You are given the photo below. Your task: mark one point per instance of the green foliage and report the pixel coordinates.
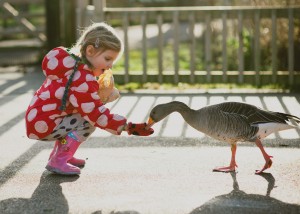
(248, 50)
(135, 58)
(133, 86)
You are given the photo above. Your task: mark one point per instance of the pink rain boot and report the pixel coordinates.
(74, 161)
(66, 148)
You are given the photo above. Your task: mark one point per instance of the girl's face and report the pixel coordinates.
(102, 60)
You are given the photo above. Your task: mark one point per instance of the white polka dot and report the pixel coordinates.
(52, 63)
(52, 53)
(53, 116)
(73, 100)
(48, 82)
(89, 77)
(57, 121)
(88, 107)
(95, 96)
(45, 95)
(41, 126)
(53, 77)
(68, 62)
(88, 119)
(49, 107)
(63, 113)
(82, 88)
(32, 114)
(33, 100)
(118, 117)
(59, 92)
(86, 67)
(112, 131)
(102, 109)
(102, 121)
(44, 72)
(33, 136)
(68, 73)
(76, 76)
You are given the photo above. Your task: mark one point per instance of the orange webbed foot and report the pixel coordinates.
(267, 165)
(230, 168)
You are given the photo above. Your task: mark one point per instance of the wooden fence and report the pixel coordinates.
(230, 21)
(215, 40)
(22, 32)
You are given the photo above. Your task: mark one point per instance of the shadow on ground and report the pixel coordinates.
(47, 197)
(238, 201)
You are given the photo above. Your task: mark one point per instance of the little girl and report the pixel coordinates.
(67, 107)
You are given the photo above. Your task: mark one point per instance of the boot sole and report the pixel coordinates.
(79, 166)
(57, 171)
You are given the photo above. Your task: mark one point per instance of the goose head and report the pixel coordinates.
(161, 111)
(158, 113)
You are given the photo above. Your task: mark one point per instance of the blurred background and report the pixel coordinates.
(192, 44)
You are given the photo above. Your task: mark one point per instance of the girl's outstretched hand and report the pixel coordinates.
(139, 129)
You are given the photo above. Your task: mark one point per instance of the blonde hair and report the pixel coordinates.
(102, 37)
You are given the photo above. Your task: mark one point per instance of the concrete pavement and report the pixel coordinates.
(168, 172)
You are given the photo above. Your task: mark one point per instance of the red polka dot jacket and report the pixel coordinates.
(43, 114)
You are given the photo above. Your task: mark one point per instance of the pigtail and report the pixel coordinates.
(68, 85)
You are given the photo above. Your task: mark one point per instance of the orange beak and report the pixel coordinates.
(150, 123)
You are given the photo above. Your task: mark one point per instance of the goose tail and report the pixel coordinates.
(292, 119)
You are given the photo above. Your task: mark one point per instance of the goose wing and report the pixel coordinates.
(227, 122)
(255, 115)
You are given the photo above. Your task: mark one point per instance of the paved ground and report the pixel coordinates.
(169, 172)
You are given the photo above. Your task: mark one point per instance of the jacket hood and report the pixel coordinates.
(58, 63)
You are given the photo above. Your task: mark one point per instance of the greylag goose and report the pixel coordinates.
(230, 122)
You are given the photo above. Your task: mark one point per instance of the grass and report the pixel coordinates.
(135, 57)
(134, 86)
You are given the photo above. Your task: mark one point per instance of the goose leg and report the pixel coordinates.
(231, 167)
(267, 157)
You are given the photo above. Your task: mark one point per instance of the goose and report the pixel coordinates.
(231, 122)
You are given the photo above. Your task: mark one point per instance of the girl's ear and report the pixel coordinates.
(90, 50)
